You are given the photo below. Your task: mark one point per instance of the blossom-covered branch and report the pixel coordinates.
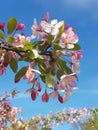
(10, 120)
(52, 53)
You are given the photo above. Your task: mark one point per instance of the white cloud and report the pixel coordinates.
(82, 4)
(22, 95)
(88, 91)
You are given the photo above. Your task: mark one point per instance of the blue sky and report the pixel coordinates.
(80, 14)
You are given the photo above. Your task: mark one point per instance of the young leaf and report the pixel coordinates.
(57, 47)
(13, 65)
(6, 58)
(63, 67)
(1, 35)
(35, 54)
(21, 73)
(11, 26)
(50, 80)
(10, 39)
(59, 73)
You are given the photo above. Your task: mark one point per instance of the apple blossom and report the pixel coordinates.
(37, 31)
(29, 74)
(20, 40)
(68, 81)
(68, 39)
(53, 27)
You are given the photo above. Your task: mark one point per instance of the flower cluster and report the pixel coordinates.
(52, 53)
(7, 111)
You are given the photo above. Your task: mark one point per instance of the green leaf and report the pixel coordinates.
(63, 67)
(49, 37)
(11, 26)
(50, 80)
(1, 35)
(10, 39)
(76, 47)
(13, 65)
(43, 48)
(6, 58)
(57, 47)
(42, 68)
(21, 73)
(59, 73)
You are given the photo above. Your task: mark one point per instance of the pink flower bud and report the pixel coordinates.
(60, 99)
(2, 25)
(33, 94)
(79, 54)
(5, 63)
(39, 89)
(66, 26)
(45, 97)
(20, 27)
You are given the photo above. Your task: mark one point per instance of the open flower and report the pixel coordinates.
(19, 40)
(30, 74)
(68, 39)
(53, 27)
(37, 30)
(68, 81)
(75, 64)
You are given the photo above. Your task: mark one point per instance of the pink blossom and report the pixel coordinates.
(19, 40)
(79, 54)
(68, 81)
(47, 64)
(20, 26)
(2, 25)
(68, 39)
(30, 74)
(75, 56)
(53, 94)
(66, 26)
(53, 27)
(37, 30)
(12, 54)
(75, 66)
(14, 111)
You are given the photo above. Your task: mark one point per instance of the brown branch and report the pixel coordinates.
(11, 48)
